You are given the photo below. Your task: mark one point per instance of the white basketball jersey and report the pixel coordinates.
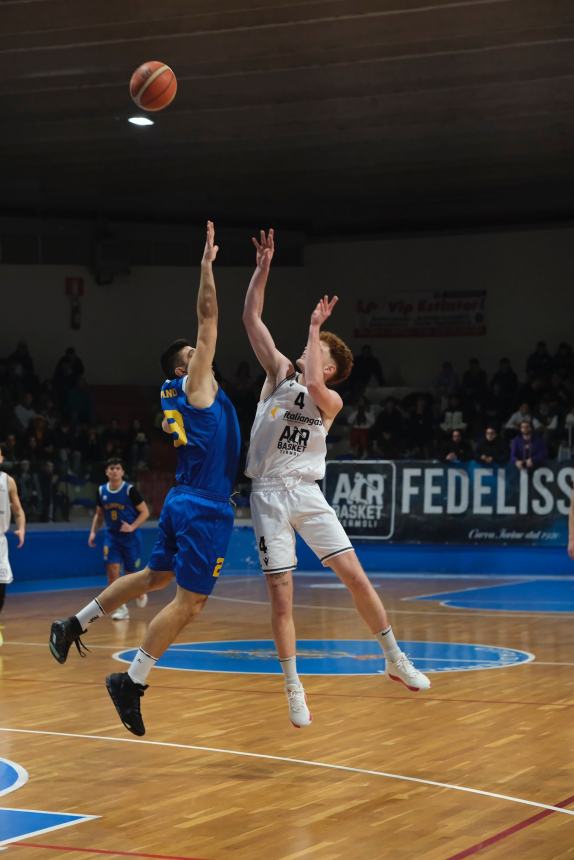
(5, 510)
(288, 438)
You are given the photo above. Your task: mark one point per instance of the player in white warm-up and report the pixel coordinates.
(9, 504)
(286, 458)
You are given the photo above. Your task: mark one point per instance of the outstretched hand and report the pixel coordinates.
(323, 310)
(210, 250)
(265, 249)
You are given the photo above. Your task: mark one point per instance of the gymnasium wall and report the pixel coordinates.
(528, 276)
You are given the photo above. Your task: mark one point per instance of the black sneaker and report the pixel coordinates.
(126, 695)
(62, 634)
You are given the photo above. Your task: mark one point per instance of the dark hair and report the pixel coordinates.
(115, 461)
(168, 357)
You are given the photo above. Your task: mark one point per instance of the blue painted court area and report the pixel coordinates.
(330, 657)
(536, 595)
(16, 824)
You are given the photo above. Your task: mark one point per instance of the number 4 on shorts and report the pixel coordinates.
(262, 545)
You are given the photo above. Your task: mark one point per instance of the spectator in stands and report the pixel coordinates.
(137, 447)
(456, 449)
(78, 403)
(24, 411)
(453, 417)
(242, 393)
(55, 503)
(563, 361)
(446, 384)
(545, 422)
(361, 419)
(492, 450)
(523, 413)
(113, 440)
(474, 383)
(68, 369)
(539, 363)
(366, 367)
(419, 429)
(528, 450)
(11, 452)
(33, 454)
(68, 455)
(496, 405)
(506, 379)
(21, 356)
(388, 429)
(29, 489)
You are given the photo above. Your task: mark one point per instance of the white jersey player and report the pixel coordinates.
(286, 457)
(9, 504)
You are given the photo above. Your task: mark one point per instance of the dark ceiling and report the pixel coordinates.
(330, 116)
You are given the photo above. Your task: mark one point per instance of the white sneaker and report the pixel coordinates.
(299, 713)
(403, 670)
(120, 614)
(141, 601)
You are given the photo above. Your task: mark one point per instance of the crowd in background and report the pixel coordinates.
(52, 437)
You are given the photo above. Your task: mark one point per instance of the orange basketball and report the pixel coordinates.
(153, 86)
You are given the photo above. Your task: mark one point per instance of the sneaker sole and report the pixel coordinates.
(129, 728)
(408, 686)
(55, 654)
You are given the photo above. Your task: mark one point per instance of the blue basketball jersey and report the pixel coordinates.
(208, 441)
(117, 506)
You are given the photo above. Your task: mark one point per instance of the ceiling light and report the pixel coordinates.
(140, 120)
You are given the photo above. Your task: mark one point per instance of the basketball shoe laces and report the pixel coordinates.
(297, 703)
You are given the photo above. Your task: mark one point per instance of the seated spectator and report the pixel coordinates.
(496, 405)
(361, 419)
(419, 429)
(113, 440)
(453, 417)
(563, 361)
(527, 450)
(446, 384)
(474, 384)
(523, 413)
(137, 447)
(387, 432)
(12, 453)
(24, 411)
(506, 379)
(55, 503)
(492, 450)
(539, 362)
(29, 490)
(456, 449)
(366, 366)
(78, 402)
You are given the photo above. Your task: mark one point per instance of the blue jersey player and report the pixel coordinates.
(197, 516)
(121, 507)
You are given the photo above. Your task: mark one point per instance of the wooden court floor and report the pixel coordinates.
(221, 773)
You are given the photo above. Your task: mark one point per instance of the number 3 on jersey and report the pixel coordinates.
(175, 421)
(300, 400)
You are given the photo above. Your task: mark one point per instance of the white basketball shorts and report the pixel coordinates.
(5, 569)
(281, 508)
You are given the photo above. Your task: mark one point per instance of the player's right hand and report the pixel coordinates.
(264, 249)
(211, 249)
(92, 539)
(571, 549)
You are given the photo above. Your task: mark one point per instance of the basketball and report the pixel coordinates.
(153, 86)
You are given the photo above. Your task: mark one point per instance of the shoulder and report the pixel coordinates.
(12, 486)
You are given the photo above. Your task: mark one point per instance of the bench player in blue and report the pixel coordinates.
(197, 517)
(123, 510)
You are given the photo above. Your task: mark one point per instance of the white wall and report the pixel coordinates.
(529, 277)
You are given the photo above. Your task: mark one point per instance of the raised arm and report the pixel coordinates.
(328, 401)
(275, 364)
(201, 386)
(17, 511)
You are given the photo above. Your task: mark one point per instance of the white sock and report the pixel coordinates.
(289, 666)
(389, 644)
(142, 664)
(89, 614)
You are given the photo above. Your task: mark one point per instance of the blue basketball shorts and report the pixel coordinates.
(194, 533)
(126, 550)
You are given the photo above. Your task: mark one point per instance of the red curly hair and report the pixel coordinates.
(341, 355)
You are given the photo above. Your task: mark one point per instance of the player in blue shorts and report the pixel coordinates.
(123, 510)
(197, 517)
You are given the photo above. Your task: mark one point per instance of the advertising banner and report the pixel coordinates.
(422, 313)
(434, 502)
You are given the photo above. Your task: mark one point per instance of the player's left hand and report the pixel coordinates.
(211, 249)
(126, 528)
(571, 549)
(21, 535)
(323, 310)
